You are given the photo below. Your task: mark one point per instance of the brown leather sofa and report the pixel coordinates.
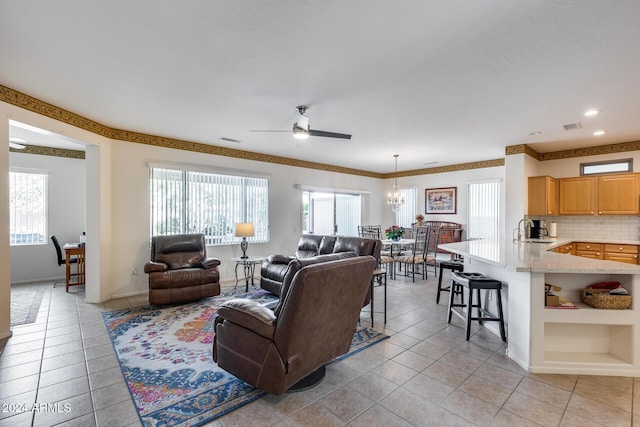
(313, 324)
(313, 248)
(179, 270)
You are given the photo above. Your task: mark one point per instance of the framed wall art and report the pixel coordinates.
(440, 200)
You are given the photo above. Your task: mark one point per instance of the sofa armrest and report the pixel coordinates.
(249, 314)
(152, 267)
(208, 263)
(280, 259)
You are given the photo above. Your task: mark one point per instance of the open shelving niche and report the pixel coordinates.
(585, 340)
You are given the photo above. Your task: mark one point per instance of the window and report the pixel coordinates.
(331, 213)
(483, 210)
(406, 215)
(185, 201)
(28, 206)
(612, 166)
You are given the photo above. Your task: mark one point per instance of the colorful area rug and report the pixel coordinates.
(165, 354)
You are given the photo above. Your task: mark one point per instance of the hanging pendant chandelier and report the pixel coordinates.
(395, 198)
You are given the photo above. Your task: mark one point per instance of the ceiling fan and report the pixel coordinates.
(301, 129)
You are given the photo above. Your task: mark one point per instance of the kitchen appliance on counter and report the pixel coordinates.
(538, 230)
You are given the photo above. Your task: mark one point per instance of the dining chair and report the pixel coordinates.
(60, 258)
(415, 261)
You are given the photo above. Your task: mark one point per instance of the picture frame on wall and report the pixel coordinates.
(441, 200)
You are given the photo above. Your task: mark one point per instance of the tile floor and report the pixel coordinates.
(425, 374)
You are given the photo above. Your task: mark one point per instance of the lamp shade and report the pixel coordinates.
(244, 229)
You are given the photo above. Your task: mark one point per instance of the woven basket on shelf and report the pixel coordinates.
(600, 298)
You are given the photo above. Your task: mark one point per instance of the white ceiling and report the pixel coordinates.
(434, 81)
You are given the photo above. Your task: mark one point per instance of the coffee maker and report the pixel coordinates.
(538, 230)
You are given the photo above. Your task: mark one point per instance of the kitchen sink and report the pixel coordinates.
(538, 241)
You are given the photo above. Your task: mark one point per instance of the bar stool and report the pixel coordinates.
(379, 276)
(453, 265)
(476, 281)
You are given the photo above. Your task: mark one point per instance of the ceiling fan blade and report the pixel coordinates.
(314, 132)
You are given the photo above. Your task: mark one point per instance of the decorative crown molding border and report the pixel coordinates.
(450, 168)
(592, 151)
(49, 151)
(521, 149)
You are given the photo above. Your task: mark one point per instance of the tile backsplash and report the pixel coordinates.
(596, 227)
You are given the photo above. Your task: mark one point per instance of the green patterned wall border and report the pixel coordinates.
(450, 168)
(522, 149)
(49, 151)
(592, 151)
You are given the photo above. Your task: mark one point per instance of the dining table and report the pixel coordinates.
(395, 248)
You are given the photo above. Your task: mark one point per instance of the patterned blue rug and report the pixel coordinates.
(165, 354)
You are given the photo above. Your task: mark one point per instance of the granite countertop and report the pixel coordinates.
(526, 256)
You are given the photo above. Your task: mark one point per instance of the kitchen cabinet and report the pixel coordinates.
(578, 196)
(618, 194)
(568, 249)
(603, 195)
(542, 195)
(621, 253)
(589, 250)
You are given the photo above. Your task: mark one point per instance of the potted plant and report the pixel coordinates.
(394, 232)
(419, 218)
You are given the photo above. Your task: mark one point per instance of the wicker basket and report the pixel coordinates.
(599, 298)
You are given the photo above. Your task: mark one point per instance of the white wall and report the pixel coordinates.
(458, 179)
(66, 212)
(130, 208)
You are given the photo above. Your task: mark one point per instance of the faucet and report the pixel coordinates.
(520, 234)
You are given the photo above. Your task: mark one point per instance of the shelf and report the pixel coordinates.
(575, 358)
(588, 315)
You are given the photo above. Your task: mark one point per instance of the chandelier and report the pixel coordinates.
(395, 198)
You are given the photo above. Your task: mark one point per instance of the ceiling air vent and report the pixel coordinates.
(224, 138)
(572, 126)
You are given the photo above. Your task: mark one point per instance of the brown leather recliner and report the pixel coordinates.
(313, 324)
(179, 270)
(312, 246)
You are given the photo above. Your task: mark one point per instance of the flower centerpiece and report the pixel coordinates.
(394, 232)
(419, 218)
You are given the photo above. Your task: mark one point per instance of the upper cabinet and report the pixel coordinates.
(543, 195)
(603, 195)
(618, 194)
(578, 196)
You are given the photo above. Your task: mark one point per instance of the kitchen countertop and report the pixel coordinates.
(525, 256)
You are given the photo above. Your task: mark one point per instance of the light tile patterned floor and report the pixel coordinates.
(425, 374)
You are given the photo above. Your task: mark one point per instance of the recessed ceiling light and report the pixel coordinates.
(538, 132)
(598, 133)
(591, 113)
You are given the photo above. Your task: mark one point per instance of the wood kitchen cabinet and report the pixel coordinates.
(578, 196)
(542, 195)
(568, 249)
(589, 250)
(603, 195)
(621, 253)
(618, 194)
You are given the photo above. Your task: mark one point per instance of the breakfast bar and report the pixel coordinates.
(581, 340)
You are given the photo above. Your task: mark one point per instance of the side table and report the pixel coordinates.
(248, 266)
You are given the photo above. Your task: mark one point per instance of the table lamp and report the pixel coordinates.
(244, 230)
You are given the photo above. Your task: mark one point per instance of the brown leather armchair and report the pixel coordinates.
(313, 324)
(179, 270)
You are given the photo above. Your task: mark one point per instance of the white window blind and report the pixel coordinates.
(28, 207)
(406, 215)
(483, 209)
(184, 201)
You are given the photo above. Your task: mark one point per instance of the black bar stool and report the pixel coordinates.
(476, 281)
(453, 265)
(379, 276)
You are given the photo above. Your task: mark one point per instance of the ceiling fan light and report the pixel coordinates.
(300, 133)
